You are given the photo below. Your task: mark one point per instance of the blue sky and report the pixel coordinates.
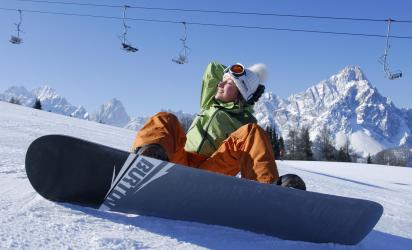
(80, 57)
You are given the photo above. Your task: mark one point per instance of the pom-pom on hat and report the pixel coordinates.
(247, 80)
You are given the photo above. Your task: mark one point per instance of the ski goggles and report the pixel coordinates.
(236, 70)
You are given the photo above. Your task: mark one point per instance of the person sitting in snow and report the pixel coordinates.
(224, 137)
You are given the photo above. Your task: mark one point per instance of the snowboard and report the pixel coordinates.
(67, 169)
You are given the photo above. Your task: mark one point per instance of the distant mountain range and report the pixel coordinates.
(111, 113)
(346, 103)
(49, 99)
(349, 106)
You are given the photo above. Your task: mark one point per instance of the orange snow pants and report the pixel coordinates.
(247, 150)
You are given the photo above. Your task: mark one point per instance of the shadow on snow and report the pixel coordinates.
(219, 237)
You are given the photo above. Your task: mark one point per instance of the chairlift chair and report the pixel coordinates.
(391, 75)
(16, 40)
(182, 58)
(126, 46)
(395, 75)
(129, 48)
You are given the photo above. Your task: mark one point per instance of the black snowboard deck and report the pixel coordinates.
(67, 169)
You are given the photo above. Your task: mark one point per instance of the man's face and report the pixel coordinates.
(226, 90)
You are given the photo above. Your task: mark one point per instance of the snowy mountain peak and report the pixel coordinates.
(49, 99)
(112, 113)
(45, 92)
(113, 103)
(19, 93)
(350, 73)
(348, 78)
(348, 105)
(17, 90)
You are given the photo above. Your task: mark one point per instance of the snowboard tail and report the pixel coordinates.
(68, 169)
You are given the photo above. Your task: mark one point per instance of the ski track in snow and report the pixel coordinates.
(28, 221)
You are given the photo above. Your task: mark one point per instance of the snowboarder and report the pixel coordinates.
(224, 137)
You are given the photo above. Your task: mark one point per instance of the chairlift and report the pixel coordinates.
(129, 48)
(395, 75)
(182, 57)
(17, 39)
(126, 46)
(391, 75)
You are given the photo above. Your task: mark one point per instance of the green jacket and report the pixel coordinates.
(216, 120)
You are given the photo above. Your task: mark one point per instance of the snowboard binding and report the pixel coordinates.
(152, 150)
(291, 181)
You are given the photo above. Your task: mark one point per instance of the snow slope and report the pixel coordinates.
(28, 221)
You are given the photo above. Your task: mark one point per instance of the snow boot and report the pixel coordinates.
(291, 181)
(153, 150)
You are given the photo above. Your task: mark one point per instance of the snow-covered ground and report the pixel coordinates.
(28, 221)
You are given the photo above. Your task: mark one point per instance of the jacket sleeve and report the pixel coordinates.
(212, 76)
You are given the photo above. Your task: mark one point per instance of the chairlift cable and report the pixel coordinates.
(211, 24)
(219, 11)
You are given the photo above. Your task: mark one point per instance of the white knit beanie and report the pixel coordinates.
(249, 82)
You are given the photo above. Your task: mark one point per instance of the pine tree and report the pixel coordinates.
(299, 152)
(15, 101)
(291, 145)
(37, 104)
(306, 144)
(348, 151)
(269, 132)
(369, 159)
(325, 141)
(274, 140)
(341, 155)
(281, 148)
(275, 143)
(344, 154)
